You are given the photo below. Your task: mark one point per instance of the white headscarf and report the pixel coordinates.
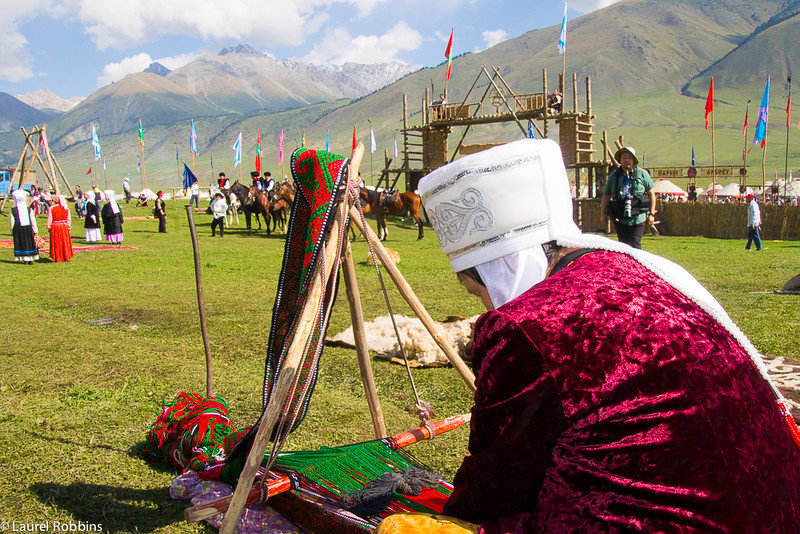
(112, 200)
(21, 201)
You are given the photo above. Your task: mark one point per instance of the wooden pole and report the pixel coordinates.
(60, 171)
(743, 180)
(198, 277)
(713, 157)
(360, 337)
(574, 92)
(589, 96)
(413, 301)
(786, 153)
(289, 369)
(144, 172)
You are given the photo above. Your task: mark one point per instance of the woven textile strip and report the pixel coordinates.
(318, 176)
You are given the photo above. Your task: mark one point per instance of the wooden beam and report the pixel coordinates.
(413, 301)
(360, 338)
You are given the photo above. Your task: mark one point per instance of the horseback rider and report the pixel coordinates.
(269, 185)
(257, 181)
(223, 182)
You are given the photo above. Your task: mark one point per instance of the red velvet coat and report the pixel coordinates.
(608, 401)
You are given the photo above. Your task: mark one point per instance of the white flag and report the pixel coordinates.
(562, 38)
(395, 146)
(372, 146)
(237, 151)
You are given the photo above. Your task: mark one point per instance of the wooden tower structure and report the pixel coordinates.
(425, 146)
(35, 140)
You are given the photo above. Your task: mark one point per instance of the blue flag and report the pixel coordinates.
(95, 143)
(237, 151)
(692, 155)
(176, 154)
(761, 126)
(212, 161)
(530, 130)
(327, 140)
(188, 177)
(193, 140)
(562, 37)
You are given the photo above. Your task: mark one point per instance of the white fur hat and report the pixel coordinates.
(503, 200)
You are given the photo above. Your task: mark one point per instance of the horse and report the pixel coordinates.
(248, 204)
(260, 206)
(393, 204)
(233, 206)
(281, 204)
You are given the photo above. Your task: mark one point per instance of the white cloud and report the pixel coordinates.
(116, 71)
(15, 60)
(125, 23)
(587, 6)
(113, 72)
(340, 47)
(492, 37)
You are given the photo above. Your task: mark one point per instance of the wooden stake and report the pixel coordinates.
(413, 301)
(360, 337)
(198, 277)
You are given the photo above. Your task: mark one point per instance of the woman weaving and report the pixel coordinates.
(613, 391)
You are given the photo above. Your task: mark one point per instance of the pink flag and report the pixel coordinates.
(280, 149)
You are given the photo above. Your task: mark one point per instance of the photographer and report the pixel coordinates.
(628, 198)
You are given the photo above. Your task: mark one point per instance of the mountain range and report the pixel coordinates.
(649, 62)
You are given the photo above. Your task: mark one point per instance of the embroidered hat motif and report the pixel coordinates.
(502, 200)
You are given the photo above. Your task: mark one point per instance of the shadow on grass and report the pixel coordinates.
(117, 509)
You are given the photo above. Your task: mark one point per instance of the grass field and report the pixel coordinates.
(76, 397)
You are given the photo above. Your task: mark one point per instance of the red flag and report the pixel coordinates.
(89, 171)
(448, 53)
(746, 123)
(789, 110)
(355, 141)
(710, 101)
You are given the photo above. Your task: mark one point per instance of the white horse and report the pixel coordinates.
(233, 211)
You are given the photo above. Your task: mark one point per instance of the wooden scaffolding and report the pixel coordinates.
(35, 140)
(425, 146)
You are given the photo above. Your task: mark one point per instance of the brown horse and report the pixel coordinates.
(384, 203)
(282, 202)
(259, 206)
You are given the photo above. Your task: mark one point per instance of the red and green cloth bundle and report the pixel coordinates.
(194, 432)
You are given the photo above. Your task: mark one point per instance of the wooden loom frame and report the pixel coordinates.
(289, 369)
(24, 162)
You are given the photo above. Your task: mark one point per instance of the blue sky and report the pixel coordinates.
(73, 47)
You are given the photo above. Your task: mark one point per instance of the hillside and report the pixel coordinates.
(640, 54)
(15, 113)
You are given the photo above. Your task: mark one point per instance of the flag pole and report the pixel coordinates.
(713, 158)
(744, 149)
(105, 175)
(144, 173)
(786, 152)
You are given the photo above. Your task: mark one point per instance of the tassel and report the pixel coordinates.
(376, 496)
(791, 424)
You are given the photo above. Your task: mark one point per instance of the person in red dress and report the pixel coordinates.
(59, 223)
(614, 393)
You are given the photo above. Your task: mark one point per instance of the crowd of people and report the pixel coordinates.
(98, 210)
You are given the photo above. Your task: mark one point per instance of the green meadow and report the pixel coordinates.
(93, 348)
